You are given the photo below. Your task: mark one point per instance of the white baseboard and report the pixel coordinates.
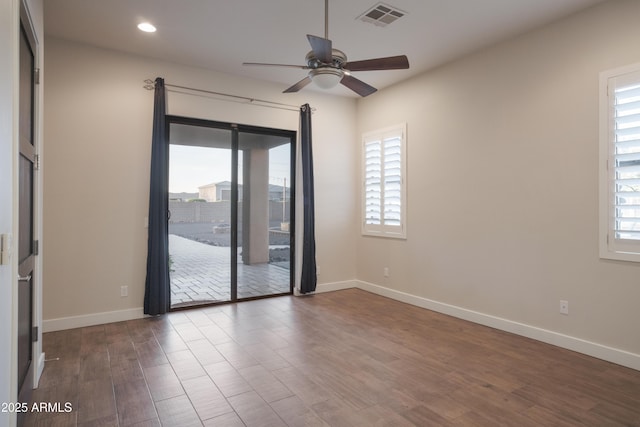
(610, 354)
(329, 287)
(39, 369)
(81, 321)
(336, 286)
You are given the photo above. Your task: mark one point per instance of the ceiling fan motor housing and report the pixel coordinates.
(338, 59)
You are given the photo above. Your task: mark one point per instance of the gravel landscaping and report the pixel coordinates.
(215, 235)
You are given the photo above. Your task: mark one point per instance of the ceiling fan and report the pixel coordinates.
(328, 66)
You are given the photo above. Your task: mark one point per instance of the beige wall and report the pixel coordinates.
(98, 132)
(503, 182)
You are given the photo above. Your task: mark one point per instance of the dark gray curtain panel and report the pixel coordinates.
(157, 295)
(308, 279)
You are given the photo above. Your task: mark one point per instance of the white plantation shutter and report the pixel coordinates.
(383, 187)
(373, 182)
(626, 111)
(392, 171)
(622, 195)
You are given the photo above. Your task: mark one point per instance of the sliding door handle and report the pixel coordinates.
(24, 278)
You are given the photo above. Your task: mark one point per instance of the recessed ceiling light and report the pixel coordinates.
(146, 27)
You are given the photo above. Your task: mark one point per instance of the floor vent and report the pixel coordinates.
(382, 15)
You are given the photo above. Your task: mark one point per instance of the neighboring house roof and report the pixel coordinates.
(217, 184)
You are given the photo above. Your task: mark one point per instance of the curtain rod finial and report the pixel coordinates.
(149, 84)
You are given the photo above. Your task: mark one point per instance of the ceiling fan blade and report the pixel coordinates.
(400, 62)
(322, 48)
(358, 86)
(301, 67)
(296, 87)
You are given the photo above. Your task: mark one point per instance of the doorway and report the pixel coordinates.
(230, 211)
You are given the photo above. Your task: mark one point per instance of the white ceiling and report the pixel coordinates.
(222, 34)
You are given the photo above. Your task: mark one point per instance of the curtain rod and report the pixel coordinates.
(150, 85)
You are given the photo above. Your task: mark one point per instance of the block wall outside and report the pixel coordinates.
(217, 212)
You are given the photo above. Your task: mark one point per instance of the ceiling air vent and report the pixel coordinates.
(382, 15)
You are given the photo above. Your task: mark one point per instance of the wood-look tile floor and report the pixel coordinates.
(346, 358)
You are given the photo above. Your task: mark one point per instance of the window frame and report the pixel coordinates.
(385, 230)
(609, 246)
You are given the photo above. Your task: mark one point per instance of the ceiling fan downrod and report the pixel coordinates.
(326, 19)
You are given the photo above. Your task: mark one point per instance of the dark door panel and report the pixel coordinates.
(26, 246)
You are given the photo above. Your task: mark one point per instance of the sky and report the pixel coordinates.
(191, 167)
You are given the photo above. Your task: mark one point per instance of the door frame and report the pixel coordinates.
(236, 129)
(31, 31)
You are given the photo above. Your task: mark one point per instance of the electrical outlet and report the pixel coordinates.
(124, 291)
(564, 307)
(386, 272)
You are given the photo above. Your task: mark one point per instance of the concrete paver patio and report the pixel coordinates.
(201, 274)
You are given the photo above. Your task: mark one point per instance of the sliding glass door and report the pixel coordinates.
(200, 219)
(231, 209)
(263, 216)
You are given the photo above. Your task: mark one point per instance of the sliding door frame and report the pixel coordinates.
(236, 130)
(234, 213)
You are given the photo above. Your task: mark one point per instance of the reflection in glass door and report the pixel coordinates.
(230, 210)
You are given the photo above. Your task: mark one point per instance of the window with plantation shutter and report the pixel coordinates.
(620, 160)
(384, 195)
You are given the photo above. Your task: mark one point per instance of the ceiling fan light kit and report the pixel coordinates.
(326, 77)
(329, 66)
